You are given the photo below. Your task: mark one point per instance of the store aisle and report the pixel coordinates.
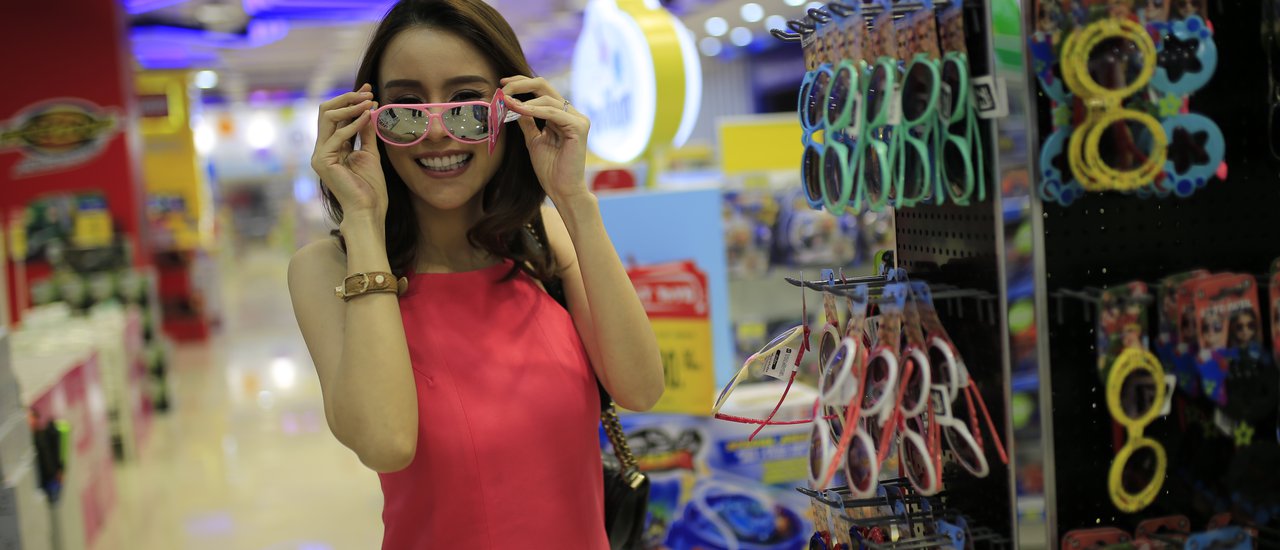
(245, 460)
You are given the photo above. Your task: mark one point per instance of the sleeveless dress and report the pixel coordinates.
(508, 451)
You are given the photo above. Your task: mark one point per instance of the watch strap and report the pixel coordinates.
(365, 283)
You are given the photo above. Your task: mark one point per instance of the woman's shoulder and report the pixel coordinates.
(321, 258)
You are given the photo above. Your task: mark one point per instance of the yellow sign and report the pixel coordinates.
(686, 361)
(760, 143)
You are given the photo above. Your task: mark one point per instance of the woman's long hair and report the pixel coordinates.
(513, 198)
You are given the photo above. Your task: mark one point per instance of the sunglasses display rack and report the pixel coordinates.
(1179, 175)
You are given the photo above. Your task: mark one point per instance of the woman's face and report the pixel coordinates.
(423, 65)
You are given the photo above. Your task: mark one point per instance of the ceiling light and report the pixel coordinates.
(775, 22)
(794, 2)
(710, 47)
(741, 36)
(717, 26)
(752, 12)
(206, 80)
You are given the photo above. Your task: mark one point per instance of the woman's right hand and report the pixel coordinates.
(354, 176)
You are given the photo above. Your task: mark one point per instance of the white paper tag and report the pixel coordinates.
(895, 108)
(1170, 382)
(780, 364)
(1226, 425)
(944, 99)
(990, 97)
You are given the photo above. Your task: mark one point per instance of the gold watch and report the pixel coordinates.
(365, 283)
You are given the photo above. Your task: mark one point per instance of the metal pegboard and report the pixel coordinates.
(1109, 239)
(958, 241)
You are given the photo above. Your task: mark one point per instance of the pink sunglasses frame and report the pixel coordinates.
(498, 117)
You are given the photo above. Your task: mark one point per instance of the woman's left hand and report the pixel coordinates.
(559, 149)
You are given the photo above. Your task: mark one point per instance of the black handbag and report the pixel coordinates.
(626, 489)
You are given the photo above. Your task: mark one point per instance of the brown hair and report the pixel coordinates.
(513, 198)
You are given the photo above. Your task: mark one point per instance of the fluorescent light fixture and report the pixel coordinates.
(752, 12)
(206, 79)
(717, 26)
(710, 46)
(794, 2)
(775, 22)
(740, 36)
(260, 133)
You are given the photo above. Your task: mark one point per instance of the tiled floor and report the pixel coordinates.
(245, 461)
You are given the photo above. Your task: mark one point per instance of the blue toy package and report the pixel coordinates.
(732, 514)
(710, 488)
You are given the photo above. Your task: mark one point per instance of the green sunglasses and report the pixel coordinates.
(960, 155)
(874, 182)
(912, 137)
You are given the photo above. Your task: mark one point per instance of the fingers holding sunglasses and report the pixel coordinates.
(521, 84)
(565, 121)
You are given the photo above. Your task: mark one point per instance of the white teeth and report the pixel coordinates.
(444, 164)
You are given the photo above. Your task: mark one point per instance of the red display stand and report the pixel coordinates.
(69, 131)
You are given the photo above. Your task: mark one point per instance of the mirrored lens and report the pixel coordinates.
(724, 392)
(812, 173)
(915, 390)
(780, 338)
(402, 124)
(859, 466)
(1125, 145)
(1115, 63)
(815, 103)
(915, 463)
(873, 182)
(833, 174)
(949, 91)
(832, 361)
(816, 450)
(876, 92)
(956, 167)
(1138, 394)
(838, 98)
(1139, 471)
(964, 452)
(468, 122)
(914, 183)
(877, 384)
(939, 369)
(917, 91)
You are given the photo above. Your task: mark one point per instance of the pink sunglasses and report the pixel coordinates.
(405, 124)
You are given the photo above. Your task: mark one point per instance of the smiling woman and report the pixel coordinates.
(467, 384)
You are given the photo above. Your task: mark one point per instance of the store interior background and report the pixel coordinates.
(229, 448)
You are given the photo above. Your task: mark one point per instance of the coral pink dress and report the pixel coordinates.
(508, 454)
